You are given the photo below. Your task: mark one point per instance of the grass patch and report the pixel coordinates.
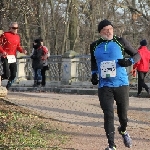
(23, 130)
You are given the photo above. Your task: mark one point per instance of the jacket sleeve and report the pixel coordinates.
(37, 54)
(131, 51)
(40, 53)
(19, 48)
(48, 53)
(135, 65)
(94, 68)
(1, 43)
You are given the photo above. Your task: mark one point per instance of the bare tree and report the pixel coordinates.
(72, 24)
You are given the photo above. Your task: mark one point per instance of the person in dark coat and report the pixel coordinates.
(37, 62)
(142, 67)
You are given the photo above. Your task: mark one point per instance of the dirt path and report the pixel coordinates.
(81, 117)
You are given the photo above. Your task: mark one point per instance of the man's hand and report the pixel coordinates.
(4, 54)
(94, 79)
(124, 62)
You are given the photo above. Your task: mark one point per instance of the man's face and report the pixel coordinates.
(14, 28)
(107, 32)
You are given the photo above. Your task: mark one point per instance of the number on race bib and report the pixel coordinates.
(108, 69)
(11, 58)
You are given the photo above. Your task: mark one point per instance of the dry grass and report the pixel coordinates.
(24, 130)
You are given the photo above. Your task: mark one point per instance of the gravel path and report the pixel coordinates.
(83, 118)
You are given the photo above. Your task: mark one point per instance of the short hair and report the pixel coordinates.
(37, 41)
(10, 25)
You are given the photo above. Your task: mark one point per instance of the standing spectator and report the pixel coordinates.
(45, 56)
(107, 61)
(142, 67)
(37, 62)
(45, 63)
(9, 45)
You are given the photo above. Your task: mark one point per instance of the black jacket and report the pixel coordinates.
(36, 57)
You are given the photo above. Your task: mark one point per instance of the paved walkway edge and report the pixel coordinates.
(80, 91)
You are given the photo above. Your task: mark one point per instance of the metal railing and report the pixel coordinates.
(53, 74)
(55, 68)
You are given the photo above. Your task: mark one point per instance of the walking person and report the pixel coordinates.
(108, 71)
(10, 44)
(37, 62)
(45, 63)
(142, 67)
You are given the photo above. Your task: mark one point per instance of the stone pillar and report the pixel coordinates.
(1, 32)
(69, 66)
(21, 62)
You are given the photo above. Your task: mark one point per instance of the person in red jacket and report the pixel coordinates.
(9, 45)
(45, 63)
(142, 66)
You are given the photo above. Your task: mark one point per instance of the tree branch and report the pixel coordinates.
(132, 10)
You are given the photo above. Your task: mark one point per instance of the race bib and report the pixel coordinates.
(11, 58)
(108, 69)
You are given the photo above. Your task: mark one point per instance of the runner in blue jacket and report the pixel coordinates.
(109, 72)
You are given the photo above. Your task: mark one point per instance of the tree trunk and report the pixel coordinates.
(73, 23)
(66, 25)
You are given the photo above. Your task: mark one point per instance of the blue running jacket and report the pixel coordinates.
(104, 58)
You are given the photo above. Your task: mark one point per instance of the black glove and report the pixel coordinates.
(124, 62)
(94, 79)
(32, 56)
